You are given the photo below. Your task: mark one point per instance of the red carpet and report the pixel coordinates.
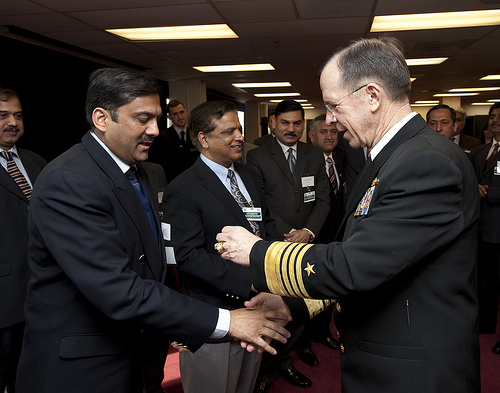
(326, 376)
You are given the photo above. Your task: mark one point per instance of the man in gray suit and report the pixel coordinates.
(14, 270)
(297, 191)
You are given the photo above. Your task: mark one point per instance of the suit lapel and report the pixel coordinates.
(127, 197)
(492, 163)
(281, 162)
(302, 162)
(212, 183)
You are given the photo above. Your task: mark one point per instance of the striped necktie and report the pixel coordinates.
(493, 153)
(16, 174)
(241, 200)
(331, 175)
(292, 161)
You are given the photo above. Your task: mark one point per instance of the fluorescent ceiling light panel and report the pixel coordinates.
(438, 20)
(309, 107)
(236, 67)
(494, 100)
(262, 84)
(422, 105)
(197, 32)
(427, 61)
(467, 89)
(277, 101)
(490, 78)
(277, 95)
(482, 103)
(430, 102)
(455, 94)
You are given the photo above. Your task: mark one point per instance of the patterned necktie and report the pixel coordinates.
(16, 174)
(331, 175)
(292, 161)
(136, 182)
(493, 153)
(241, 200)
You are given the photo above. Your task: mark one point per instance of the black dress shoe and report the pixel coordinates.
(496, 348)
(330, 342)
(261, 387)
(308, 356)
(295, 378)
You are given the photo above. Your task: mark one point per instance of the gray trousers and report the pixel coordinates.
(219, 368)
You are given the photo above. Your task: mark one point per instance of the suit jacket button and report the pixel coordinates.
(342, 349)
(141, 258)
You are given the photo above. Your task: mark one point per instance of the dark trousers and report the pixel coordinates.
(488, 279)
(11, 339)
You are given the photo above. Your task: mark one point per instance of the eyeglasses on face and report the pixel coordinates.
(334, 106)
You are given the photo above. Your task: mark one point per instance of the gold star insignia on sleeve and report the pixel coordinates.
(309, 269)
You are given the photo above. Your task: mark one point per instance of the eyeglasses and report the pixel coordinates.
(332, 108)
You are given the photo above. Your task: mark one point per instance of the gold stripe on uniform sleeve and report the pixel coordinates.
(283, 269)
(316, 307)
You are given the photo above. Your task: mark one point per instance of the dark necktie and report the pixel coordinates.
(331, 175)
(16, 174)
(183, 138)
(135, 179)
(493, 153)
(241, 200)
(292, 161)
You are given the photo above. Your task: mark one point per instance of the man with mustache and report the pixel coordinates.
(17, 164)
(97, 300)
(294, 182)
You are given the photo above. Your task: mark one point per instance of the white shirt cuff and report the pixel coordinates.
(222, 324)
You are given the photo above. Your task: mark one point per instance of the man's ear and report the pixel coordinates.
(202, 138)
(101, 119)
(375, 95)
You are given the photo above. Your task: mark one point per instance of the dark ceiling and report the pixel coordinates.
(295, 36)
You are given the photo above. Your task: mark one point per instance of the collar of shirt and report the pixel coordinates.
(389, 135)
(13, 150)
(456, 139)
(123, 166)
(221, 172)
(285, 147)
(178, 130)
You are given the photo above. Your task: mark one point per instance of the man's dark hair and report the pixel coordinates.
(380, 60)
(112, 88)
(494, 106)
(288, 106)
(173, 104)
(453, 113)
(7, 94)
(202, 118)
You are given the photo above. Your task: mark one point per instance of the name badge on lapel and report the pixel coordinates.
(253, 213)
(308, 183)
(364, 205)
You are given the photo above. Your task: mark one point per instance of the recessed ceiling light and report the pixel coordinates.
(308, 107)
(277, 95)
(467, 89)
(427, 61)
(490, 78)
(262, 84)
(455, 94)
(494, 100)
(278, 101)
(235, 68)
(437, 20)
(482, 103)
(197, 32)
(430, 102)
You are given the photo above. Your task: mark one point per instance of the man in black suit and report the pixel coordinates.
(404, 275)
(173, 149)
(216, 191)
(486, 161)
(271, 125)
(96, 295)
(466, 142)
(14, 270)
